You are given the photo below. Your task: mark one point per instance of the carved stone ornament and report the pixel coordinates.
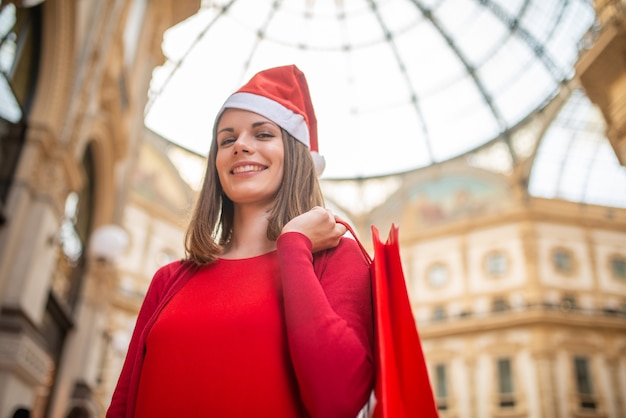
(21, 355)
(49, 179)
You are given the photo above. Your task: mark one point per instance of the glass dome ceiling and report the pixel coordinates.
(575, 160)
(397, 84)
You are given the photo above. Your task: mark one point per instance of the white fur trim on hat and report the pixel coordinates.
(290, 121)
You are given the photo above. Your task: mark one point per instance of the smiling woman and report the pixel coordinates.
(270, 315)
(249, 158)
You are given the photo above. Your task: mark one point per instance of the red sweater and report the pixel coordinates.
(317, 330)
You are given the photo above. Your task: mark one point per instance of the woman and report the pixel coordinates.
(270, 315)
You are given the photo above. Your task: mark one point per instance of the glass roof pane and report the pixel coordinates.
(540, 17)
(578, 160)
(454, 138)
(431, 4)
(372, 90)
(530, 90)
(563, 43)
(482, 36)
(460, 97)
(361, 28)
(575, 160)
(511, 7)
(458, 102)
(514, 56)
(250, 14)
(436, 77)
(431, 63)
(377, 144)
(455, 15)
(400, 15)
(606, 184)
(284, 20)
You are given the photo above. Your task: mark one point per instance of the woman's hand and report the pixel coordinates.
(320, 226)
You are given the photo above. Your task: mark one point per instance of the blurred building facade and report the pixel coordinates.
(73, 89)
(520, 299)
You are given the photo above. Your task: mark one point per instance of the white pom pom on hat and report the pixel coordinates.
(281, 94)
(318, 162)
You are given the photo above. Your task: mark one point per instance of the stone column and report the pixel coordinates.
(544, 365)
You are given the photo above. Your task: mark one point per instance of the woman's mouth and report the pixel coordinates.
(248, 168)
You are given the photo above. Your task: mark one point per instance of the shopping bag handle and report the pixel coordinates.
(356, 238)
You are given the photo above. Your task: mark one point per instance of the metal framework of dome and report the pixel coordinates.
(397, 84)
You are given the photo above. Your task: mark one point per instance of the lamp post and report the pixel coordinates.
(108, 242)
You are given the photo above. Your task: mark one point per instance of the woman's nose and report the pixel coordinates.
(243, 144)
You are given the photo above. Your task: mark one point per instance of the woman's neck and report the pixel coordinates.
(249, 237)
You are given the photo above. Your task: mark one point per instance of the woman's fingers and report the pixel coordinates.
(320, 226)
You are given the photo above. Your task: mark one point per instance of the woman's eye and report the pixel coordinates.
(226, 141)
(264, 135)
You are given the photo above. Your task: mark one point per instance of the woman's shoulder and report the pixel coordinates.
(170, 272)
(173, 267)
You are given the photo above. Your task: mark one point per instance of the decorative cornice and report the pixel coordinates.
(531, 316)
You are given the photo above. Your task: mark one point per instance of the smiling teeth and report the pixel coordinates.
(247, 168)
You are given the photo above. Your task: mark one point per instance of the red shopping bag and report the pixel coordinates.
(402, 388)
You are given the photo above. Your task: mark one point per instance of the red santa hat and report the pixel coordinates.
(281, 94)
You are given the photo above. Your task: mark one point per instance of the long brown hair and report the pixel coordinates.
(211, 223)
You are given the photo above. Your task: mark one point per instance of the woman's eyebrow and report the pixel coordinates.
(225, 130)
(263, 122)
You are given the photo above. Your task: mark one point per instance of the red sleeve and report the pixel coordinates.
(120, 402)
(329, 324)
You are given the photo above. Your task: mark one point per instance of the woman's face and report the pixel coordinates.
(250, 156)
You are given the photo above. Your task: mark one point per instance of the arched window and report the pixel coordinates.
(584, 388)
(441, 385)
(19, 61)
(506, 392)
(73, 238)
